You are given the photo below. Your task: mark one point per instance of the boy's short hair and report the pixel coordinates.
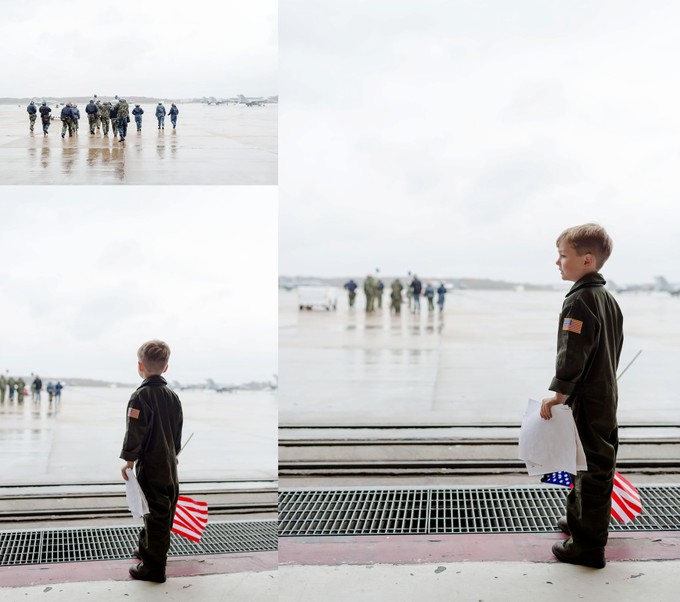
(154, 355)
(589, 238)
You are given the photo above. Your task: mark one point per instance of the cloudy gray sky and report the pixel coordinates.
(90, 273)
(460, 137)
(167, 48)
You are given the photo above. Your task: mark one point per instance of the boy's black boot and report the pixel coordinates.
(592, 558)
(139, 571)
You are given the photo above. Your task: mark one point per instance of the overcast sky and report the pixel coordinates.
(460, 138)
(166, 48)
(90, 273)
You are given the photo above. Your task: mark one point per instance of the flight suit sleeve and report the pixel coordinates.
(578, 335)
(178, 431)
(137, 422)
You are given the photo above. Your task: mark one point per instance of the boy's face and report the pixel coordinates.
(572, 265)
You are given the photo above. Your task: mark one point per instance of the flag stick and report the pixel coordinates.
(630, 363)
(185, 444)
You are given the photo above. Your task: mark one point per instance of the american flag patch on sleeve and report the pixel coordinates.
(133, 413)
(572, 325)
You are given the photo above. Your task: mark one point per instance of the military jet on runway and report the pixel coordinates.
(630, 288)
(257, 102)
(211, 100)
(663, 285)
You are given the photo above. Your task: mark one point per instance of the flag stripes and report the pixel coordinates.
(626, 504)
(191, 517)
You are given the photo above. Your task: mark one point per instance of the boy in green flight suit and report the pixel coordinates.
(589, 342)
(153, 439)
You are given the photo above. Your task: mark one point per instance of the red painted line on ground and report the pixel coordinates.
(117, 570)
(424, 549)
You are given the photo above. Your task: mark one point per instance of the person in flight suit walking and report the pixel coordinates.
(351, 287)
(105, 116)
(153, 439)
(416, 289)
(76, 116)
(429, 295)
(67, 120)
(441, 296)
(589, 342)
(123, 118)
(92, 110)
(379, 288)
(174, 111)
(160, 115)
(45, 117)
(32, 114)
(369, 292)
(21, 389)
(138, 112)
(395, 296)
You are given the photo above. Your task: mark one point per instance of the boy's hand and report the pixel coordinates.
(549, 402)
(124, 468)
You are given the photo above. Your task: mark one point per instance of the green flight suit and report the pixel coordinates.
(369, 291)
(3, 387)
(395, 296)
(153, 438)
(589, 342)
(98, 115)
(379, 288)
(21, 385)
(104, 112)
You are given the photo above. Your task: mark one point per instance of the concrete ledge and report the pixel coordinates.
(417, 549)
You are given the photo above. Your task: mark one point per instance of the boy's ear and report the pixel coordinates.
(588, 259)
(165, 369)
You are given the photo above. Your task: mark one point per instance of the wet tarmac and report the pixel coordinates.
(226, 144)
(477, 363)
(79, 439)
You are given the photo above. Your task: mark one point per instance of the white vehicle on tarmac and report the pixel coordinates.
(310, 297)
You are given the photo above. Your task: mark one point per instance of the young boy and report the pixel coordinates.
(153, 439)
(589, 344)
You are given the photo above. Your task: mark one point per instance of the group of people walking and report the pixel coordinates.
(53, 389)
(374, 287)
(99, 115)
(16, 386)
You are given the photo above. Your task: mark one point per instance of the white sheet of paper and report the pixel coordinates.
(550, 445)
(135, 496)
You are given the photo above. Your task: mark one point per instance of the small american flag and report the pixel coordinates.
(191, 517)
(626, 504)
(572, 325)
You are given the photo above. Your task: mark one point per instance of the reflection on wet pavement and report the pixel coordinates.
(79, 439)
(211, 145)
(478, 362)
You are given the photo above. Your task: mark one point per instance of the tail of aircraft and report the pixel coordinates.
(251, 102)
(663, 285)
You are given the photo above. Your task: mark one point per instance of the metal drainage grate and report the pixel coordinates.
(116, 543)
(456, 510)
